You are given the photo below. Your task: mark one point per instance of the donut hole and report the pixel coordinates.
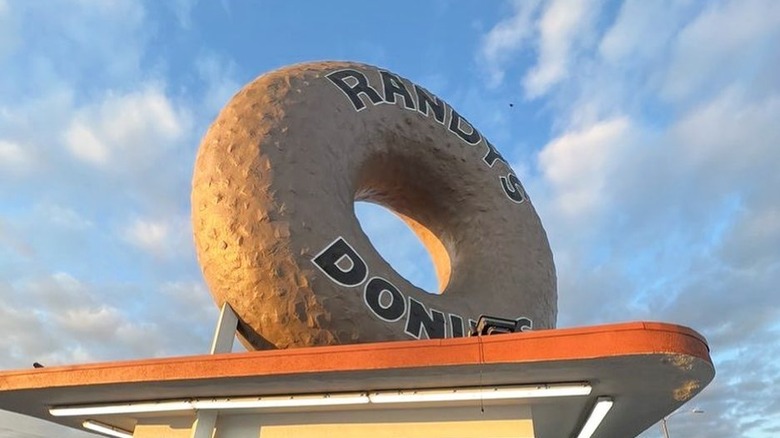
(399, 245)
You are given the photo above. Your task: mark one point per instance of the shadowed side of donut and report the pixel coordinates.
(275, 183)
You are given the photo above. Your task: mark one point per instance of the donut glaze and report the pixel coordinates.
(275, 182)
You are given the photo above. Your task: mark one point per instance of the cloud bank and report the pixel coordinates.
(658, 186)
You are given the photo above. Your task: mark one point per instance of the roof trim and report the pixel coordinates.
(614, 340)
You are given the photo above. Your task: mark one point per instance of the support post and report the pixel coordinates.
(225, 332)
(224, 335)
(664, 429)
(203, 427)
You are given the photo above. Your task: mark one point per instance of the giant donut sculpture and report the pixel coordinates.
(275, 182)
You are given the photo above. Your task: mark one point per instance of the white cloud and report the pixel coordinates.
(10, 238)
(507, 38)
(58, 290)
(102, 325)
(84, 144)
(15, 340)
(628, 39)
(753, 241)
(659, 187)
(733, 136)
(65, 217)
(132, 129)
(31, 333)
(68, 282)
(727, 41)
(101, 320)
(192, 299)
(557, 29)
(167, 238)
(563, 27)
(58, 318)
(578, 165)
(14, 158)
(149, 235)
(84, 112)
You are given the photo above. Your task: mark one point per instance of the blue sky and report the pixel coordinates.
(646, 134)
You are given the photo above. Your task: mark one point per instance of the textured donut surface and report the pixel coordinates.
(275, 182)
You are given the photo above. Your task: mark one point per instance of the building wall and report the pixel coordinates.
(463, 422)
(167, 427)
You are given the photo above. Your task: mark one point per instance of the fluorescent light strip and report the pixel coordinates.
(496, 393)
(292, 401)
(597, 414)
(125, 408)
(106, 429)
(281, 402)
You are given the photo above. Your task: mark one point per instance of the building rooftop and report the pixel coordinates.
(647, 369)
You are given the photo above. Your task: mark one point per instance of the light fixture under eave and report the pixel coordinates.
(597, 414)
(281, 402)
(343, 399)
(486, 393)
(212, 404)
(106, 429)
(123, 408)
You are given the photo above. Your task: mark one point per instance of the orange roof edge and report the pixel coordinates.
(568, 344)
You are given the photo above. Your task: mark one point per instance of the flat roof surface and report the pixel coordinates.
(649, 369)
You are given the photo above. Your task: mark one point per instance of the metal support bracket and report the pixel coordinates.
(225, 333)
(224, 336)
